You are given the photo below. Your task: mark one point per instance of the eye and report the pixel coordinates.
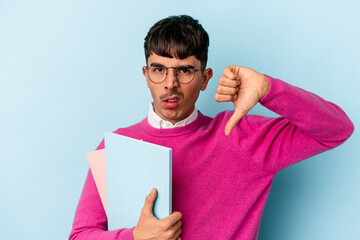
(185, 70)
(157, 69)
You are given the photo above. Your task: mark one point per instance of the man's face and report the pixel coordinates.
(174, 101)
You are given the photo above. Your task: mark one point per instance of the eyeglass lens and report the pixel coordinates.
(184, 74)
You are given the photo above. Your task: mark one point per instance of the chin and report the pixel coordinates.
(172, 115)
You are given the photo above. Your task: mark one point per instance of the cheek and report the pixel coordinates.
(156, 93)
(193, 92)
(153, 94)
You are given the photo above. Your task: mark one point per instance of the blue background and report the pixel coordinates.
(71, 70)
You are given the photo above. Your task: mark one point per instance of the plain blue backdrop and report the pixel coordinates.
(71, 70)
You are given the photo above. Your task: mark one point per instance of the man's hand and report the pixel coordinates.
(149, 227)
(242, 86)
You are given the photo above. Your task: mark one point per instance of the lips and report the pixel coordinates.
(172, 99)
(171, 102)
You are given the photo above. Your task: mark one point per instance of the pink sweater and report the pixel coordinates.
(220, 184)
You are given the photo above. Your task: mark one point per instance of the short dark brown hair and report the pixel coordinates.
(179, 37)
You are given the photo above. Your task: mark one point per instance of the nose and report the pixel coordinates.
(171, 81)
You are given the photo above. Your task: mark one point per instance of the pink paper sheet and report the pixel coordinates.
(96, 161)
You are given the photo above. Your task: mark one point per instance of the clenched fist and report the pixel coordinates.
(242, 86)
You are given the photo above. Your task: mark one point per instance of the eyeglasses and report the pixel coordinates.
(157, 73)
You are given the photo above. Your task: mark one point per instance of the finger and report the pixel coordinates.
(172, 219)
(176, 226)
(227, 90)
(149, 202)
(175, 230)
(235, 118)
(177, 234)
(224, 81)
(225, 97)
(231, 72)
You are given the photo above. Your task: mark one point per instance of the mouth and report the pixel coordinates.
(172, 99)
(172, 102)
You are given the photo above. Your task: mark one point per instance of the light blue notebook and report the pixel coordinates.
(133, 168)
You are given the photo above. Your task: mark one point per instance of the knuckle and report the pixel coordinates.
(222, 80)
(164, 225)
(228, 69)
(170, 235)
(148, 199)
(179, 215)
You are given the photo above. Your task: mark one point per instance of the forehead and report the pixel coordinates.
(173, 62)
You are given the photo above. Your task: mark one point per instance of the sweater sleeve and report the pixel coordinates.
(309, 125)
(90, 220)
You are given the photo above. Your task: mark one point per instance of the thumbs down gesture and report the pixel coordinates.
(242, 86)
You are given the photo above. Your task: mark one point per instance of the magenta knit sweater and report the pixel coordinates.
(220, 183)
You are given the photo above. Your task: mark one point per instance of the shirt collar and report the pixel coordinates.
(157, 122)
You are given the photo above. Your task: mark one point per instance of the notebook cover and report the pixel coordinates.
(133, 168)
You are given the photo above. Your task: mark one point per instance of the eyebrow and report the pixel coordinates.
(161, 65)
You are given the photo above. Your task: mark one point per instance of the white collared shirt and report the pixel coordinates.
(157, 122)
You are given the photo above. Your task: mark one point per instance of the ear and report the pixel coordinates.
(144, 71)
(207, 74)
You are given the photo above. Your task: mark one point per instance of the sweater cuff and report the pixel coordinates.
(126, 234)
(272, 88)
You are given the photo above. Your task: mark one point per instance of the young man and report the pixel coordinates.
(220, 181)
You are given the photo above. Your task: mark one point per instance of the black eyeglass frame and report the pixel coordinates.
(167, 71)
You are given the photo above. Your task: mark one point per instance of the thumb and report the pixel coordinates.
(149, 202)
(235, 118)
